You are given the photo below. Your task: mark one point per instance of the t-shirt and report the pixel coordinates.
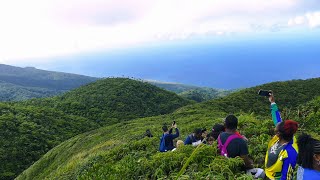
(237, 147)
(169, 139)
(191, 139)
(273, 153)
(307, 174)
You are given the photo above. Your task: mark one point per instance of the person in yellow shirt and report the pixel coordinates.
(281, 156)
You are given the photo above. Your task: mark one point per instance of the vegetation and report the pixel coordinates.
(18, 84)
(290, 95)
(30, 128)
(112, 100)
(195, 93)
(204, 94)
(26, 133)
(119, 151)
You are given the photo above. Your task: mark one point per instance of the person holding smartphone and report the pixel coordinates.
(166, 142)
(282, 152)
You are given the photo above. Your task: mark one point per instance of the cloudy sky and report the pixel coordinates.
(34, 30)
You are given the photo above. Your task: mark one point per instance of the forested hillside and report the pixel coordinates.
(290, 94)
(30, 128)
(195, 93)
(18, 84)
(112, 100)
(109, 153)
(26, 133)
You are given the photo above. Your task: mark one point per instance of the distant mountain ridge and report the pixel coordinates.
(191, 92)
(18, 83)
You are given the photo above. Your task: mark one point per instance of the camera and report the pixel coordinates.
(265, 92)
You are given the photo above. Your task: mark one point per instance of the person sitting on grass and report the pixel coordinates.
(231, 144)
(166, 142)
(195, 138)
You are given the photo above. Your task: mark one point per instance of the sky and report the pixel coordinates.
(71, 35)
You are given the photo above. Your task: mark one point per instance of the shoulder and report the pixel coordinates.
(240, 140)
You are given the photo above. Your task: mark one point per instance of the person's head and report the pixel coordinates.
(165, 128)
(180, 143)
(286, 129)
(148, 133)
(204, 133)
(217, 129)
(309, 152)
(197, 133)
(210, 138)
(231, 122)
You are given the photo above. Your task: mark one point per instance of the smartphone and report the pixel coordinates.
(264, 92)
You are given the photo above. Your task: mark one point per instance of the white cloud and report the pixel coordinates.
(311, 19)
(44, 28)
(314, 19)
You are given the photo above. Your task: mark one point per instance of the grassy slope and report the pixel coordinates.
(119, 151)
(73, 158)
(29, 129)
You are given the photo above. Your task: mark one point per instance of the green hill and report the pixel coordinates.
(30, 128)
(205, 94)
(111, 100)
(195, 93)
(18, 84)
(289, 94)
(109, 153)
(120, 151)
(174, 87)
(26, 133)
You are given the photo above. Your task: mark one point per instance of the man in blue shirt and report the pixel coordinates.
(168, 137)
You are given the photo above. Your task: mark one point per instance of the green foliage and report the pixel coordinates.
(134, 157)
(26, 133)
(119, 151)
(112, 100)
(204, 94)
(289, 95)
(31, 128)
(195, 93)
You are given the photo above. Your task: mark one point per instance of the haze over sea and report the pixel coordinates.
(223, 44)
(222, 62)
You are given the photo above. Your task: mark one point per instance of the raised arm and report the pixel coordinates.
(276, 117)
(174, 126)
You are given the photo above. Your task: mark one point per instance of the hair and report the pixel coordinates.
(197, 131)
(203, 130)
(217, 129)
(209, 135)
(180, 143)
(165, 128)
(231, 122)
(307, 148)
(287, 129)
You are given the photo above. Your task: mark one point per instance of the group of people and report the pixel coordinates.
(284, 150)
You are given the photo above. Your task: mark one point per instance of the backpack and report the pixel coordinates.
(223, 147)
(162, 147)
